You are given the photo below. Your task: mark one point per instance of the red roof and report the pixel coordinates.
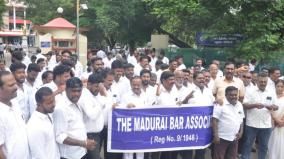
(19, 21)
(59, 23)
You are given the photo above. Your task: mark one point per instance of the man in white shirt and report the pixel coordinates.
(258, 120)
(143, 64)
(111, 101)
(13, 135)
(274, 74)
(149, 90)
(78, 66)
(93, 110)
(70, 130)
(19, 73)
(217, 63)
(249, 87)
(101, 53)
(119, 83)
(188, 78)
(163, 58)
(213, 69)
(32, 73)
(179, 59)
(227, 124)
(40, 127)
(108, 60)
(135, 98)
(97, 64)
(128, 71)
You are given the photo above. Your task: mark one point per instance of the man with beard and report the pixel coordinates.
(143, 64)
(188, 78)
(128, 71)
(111, 101)
(32, 74)
(228, 80)
(69, 126)
(13, 135)
(199, 96)
(135, 98)
(167, 95)
(93, 110)
(119, 83)
(146, 87)
(19, 73)
(182, 90)
(40, 126)
(97, 64)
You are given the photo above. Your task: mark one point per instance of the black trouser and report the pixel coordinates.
(108, 155)
(94, 154)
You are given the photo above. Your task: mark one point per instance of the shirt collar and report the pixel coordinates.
(233, 79)
(41, 115)
(226, 102)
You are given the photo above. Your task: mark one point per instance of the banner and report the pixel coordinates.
(159, 129)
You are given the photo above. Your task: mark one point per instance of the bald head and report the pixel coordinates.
(213, 70)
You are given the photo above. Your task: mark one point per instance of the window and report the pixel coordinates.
(63, 43)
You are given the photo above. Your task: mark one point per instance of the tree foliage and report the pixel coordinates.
(2, 9)
(261, 23)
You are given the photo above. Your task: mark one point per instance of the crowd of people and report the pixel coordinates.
(53, 108)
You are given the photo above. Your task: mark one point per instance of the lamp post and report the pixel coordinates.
(78, 7)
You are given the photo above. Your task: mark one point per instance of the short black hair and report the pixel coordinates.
(45, 74)
(68, 62)
(33, 67)
(230, 89)
(172, 60)
(164, 66)
(105, 72)
(186, 71)
(166, 75)
(66, 51)
(178, 57)
(16, 66)
(116, 64)
(95, 78)
(94, 59)
(42, 92)
(74, 82)
(39, 60)
(3, 73)
(18, 55)
(196, 73)
(229, 63)
(144, 71)
(142, 57)
(272, 70)
(135, 77)
(128, 65)
(159, 62)
(60, 70)
(33, 57)
(262, 74)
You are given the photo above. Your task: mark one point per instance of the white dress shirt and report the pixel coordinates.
(41, 137)
(23, 100)
(259, 118)
(79, 69)
(181, 67)
(122, 86)
(13, 135)
(139, 101)
(151, 94)
(167, 98)
(137, 70)
(107, 62)
(111, 98)
(93, 111)
(230, 118)
(202, 98)
(68, 122)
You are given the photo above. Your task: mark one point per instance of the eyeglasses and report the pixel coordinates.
(247, 77)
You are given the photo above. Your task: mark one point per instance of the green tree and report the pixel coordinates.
(2, 9)
(261, 23)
